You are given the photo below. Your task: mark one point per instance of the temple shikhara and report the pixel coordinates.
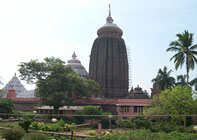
(108, 66)
(108, 61)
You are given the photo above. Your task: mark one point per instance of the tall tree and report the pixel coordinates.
(181, 80)
(194, 83)
(185, 52)
(163, 79)
(56, 85)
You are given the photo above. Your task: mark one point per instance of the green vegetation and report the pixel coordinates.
(56, 84)
(6, 107)
(2, 92)
(181, 80)
(194, 83)
(185, 52)
(176, 101)
(13, 134)
(93, 110)
(35, 136)
(164, 79)
(60, 126)
(134, 123)
(90, 110)
(147, 135)
(25, 123)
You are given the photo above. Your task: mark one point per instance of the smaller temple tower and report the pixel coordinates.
(19, 89)
(76, 65)
(15, 84)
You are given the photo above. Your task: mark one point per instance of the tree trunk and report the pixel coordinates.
(187, 70)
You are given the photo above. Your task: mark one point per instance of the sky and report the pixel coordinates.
(35, 29)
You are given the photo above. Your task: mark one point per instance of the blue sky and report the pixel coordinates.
(43, 28)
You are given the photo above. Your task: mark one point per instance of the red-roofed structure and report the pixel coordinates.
(11, 93)
(124, 108)
(24, 104)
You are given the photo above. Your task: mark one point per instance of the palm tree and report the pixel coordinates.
(181, 80)
(194, 83)
(164, 79)
(185, 52)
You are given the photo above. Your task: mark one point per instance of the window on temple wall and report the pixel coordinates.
(124, 109)
(138, 109)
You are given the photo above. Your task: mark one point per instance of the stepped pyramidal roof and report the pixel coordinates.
(20, 90)
(16, 84)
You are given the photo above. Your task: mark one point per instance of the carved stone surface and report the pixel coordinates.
(20, 90)
(109, 66)
(76, 65)
(137, 93)
(155, 90)
(108, 61)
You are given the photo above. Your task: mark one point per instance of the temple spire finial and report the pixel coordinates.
(109, 18)
(74, 55)
(109, 10)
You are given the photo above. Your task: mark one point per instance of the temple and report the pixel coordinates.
(19, 88)
(108, 66)
(108, 61)
(76, 65)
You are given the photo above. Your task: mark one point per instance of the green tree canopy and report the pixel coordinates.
(176, 101)
(164, 79)
(181, 80)
(185, 52)
(6, 107)
(194, 83)
(56, 85)
(2, 92)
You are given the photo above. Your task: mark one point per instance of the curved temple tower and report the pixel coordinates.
(108, 61)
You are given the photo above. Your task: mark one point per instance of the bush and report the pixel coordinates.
(13, 134)
(25, 123)
(161, 126)
(147, 135)
(134, 123)
(56, 128)
(140, 122)
(91, 133)
(34, 126)
(6, 107)
(35, 136)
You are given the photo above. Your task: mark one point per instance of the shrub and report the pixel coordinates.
(56, 128)
(35, 136)
(13, 134)
(140, 122)
(67, 127)
(146, 135)
(25, 123)
(60, 123)
(134, 123)
(34, 126)
(91, 133)
(124, 123)
(6, 107)
(161, 126)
